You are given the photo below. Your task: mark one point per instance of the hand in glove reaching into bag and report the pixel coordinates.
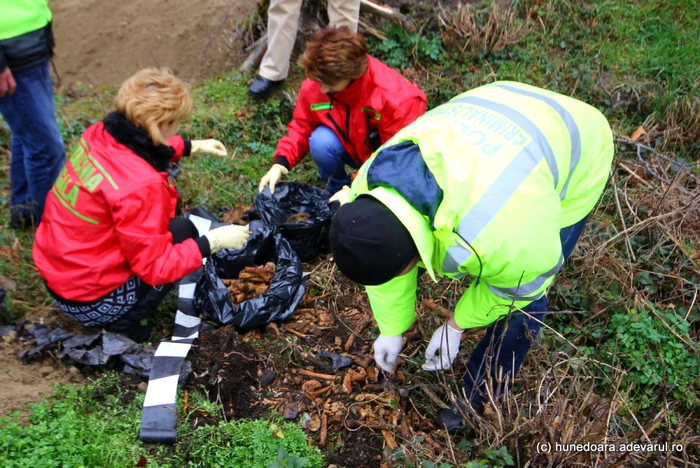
(272, 177)
(342, 196)
(214, 147)
(443, 347)
(386, 351)
(227, 237)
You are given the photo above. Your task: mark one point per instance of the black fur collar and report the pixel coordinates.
(138, 141)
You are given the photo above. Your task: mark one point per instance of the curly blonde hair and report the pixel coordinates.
(333, 55)
(151, 97)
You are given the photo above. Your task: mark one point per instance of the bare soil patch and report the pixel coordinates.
(102, 43)
(22, 384)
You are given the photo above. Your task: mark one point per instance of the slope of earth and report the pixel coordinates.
(102, 43)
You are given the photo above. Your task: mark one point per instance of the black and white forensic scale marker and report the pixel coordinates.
(159, 416)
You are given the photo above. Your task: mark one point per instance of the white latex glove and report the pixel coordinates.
(342, 196)
(272, 177)
(227, 237)
(443, 348)
(386, 351)
(214, 147)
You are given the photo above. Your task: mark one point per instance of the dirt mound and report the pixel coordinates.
(227, 369)
(102, 43)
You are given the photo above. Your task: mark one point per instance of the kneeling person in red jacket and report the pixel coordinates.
(107, 246)
(349, 104)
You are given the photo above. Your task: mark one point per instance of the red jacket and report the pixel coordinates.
(106, 220)
(381, 99)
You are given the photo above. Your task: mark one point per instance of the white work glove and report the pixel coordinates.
(227, 237)
(272, 177)
(386, 351)
(342, 196)
(214, 147)
(443, 348)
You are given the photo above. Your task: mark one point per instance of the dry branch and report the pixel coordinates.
(316, 375)
(257, 49)
(385, 11)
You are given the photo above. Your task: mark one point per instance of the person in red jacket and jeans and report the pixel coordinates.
(107, 246)
(349, 104)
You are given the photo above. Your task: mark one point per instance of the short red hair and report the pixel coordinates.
(333, 55)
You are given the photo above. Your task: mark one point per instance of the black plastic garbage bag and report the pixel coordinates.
(286, 289)
(308, 238)
(46, 339)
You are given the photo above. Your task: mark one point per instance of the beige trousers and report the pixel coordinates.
(282, 24)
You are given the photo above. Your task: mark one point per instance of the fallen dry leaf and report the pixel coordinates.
(347, 383)
(315, 424)
(372, 374)
(311, 385)
(637, 134)
(349, 342)
(358, 375)
(389, 438)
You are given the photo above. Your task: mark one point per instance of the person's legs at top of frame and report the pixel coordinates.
(282, 25)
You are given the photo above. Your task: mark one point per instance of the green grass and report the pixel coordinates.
(97, 425)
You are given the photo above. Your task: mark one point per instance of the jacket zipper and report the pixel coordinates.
(345, 134)
(367, 119)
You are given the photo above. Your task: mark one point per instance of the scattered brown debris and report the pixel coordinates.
(316, 375)
(432, 305)
(252, 282)
(389, 439)
(314, 424)
(350, 341)
(324, 431)
(237, 215)
(311, 385)
(298, 218)
(347, 383)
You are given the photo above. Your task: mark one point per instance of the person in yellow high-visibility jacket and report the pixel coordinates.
(495, 184)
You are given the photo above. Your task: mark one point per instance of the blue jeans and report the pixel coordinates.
(506, 351)
(330, 157)
(37, 148)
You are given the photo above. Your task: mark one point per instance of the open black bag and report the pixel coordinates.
(307, 238)
(286, 290)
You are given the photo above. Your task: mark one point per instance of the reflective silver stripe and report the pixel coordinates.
(526, 291)
(507, 183)
(490, 203)
(541, 142)
(495, 290)
(570, 123)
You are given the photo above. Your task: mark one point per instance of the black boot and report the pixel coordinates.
(261, 87)
(20, 220)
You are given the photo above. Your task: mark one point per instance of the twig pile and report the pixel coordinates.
(252, 282)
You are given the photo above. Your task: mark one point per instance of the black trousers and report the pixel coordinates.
(134, 323)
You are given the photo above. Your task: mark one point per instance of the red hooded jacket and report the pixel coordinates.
(106, 220)
(381, 99)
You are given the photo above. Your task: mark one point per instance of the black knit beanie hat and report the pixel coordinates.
(369, 243)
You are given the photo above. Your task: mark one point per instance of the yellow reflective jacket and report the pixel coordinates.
(500, 170)
(18, 17)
